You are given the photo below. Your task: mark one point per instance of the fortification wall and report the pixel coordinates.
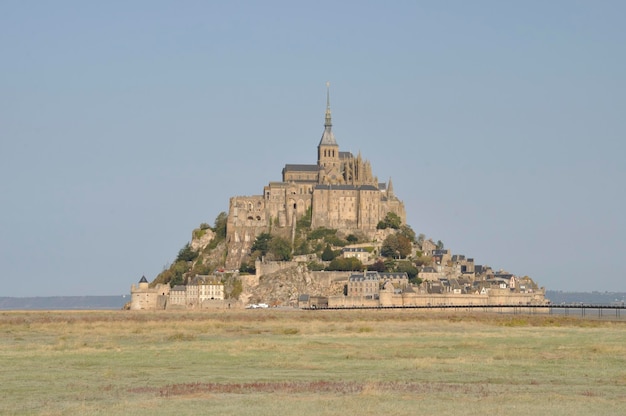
(388, 299)
(268, 267)
(351, 302)
(330, 277)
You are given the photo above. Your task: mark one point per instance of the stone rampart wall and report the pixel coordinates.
(388, 299)
(267, 267)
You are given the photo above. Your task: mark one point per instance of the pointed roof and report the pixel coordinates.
(143, 279)
(328, 138)
(390, 188)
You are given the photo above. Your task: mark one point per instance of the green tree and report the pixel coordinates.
(262, 243)
(220, 225)
(280, 249)
(390, 264)
(408, 232)
(200, 267)
(391, 220)
(176, 275)
(247, 267)
(345, 265)
(396, 246)
(420, 239)
(328, 254)
(352, 239)
(378, 266)
(321, 233)
(439, 245)
(177, 280)
(408, 268)
(416, 280)
(315, 266)
(335, 241)
(301, 247)
(186, 254)
(305, 221)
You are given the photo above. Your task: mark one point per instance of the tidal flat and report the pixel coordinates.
(262, 362)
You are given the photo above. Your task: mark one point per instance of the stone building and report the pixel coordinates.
(366, 284)
(356, 252)
(339, 191)
(142, 296)
(203, 287)
(200, 289)
(178, 296)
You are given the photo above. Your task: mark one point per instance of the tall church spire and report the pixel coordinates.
(328, 138)
(328, 122)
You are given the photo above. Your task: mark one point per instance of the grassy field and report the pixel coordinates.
(267, 362)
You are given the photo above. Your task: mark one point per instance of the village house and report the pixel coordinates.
(356, 252)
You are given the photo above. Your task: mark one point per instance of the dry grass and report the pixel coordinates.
(324, 362)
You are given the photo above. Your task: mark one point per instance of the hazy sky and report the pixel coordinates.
(125, 124)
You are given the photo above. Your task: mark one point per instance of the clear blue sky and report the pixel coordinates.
(125, 124)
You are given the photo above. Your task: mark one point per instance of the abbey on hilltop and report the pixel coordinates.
(338, 192)
(386, 264)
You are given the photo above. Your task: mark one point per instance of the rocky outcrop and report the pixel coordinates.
(201, 238)
(283, 287)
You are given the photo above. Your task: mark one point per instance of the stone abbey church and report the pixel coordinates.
(340, 191)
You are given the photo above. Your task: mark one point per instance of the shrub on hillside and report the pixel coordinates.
(350, 264)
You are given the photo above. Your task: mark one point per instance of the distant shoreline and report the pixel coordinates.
(64, 302)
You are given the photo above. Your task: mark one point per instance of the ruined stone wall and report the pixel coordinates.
(247, 218)
(245, 214)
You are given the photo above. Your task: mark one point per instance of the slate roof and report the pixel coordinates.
(143, 279)
(402, 275)
(328, 138)
(369, 275)
(301, 168)
(347, 187)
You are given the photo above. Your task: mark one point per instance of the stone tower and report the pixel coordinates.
(328, 150)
